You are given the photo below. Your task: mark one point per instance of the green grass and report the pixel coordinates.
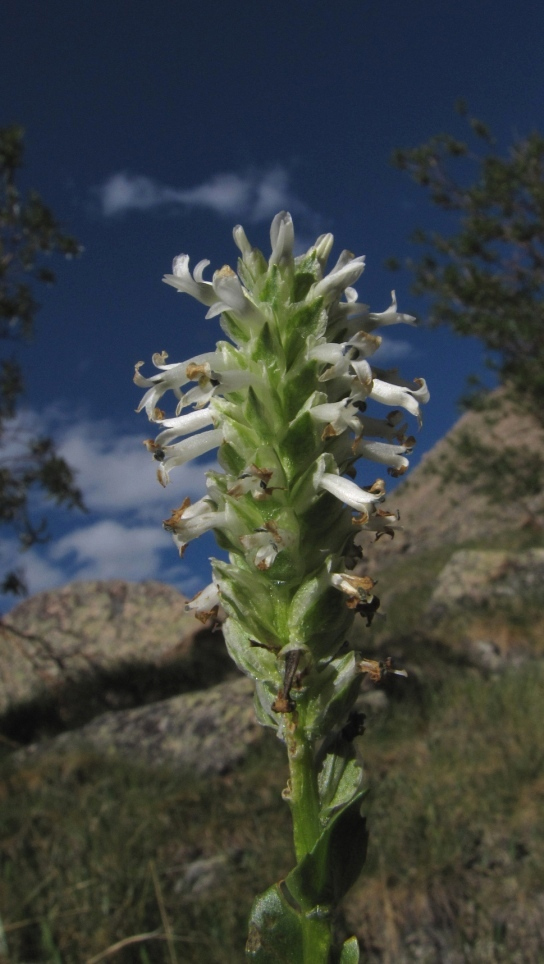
(81, 835)
(93, 852)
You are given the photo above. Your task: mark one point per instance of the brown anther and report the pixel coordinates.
(151, 445)
(372, 668)
(283, 704)
(203, 616)
(395, 473)
(378, 670)
(328, 432)
(171, 523)
(225, 272)
(263, 474)
(195, 372)
(361, 518)
(392, 417)
(377, 487)
(159, 358)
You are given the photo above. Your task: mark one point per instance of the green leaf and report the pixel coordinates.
(325, 875)
(319, 617)
(299, 445)
(253, 268)
(330, 694)
(275, 930)
(258, 416)
(233, 329)
(350, 952)
(298, 388)
(301, 322)
(229, 459)
(339, 779)
(242, 437)
(248, 599)
(271, 290)
(253, 660)
(265, 694)
(266, 348)
(307, 272)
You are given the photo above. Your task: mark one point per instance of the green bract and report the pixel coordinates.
(285, 404)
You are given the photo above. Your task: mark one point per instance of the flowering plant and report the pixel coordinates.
(284, 401)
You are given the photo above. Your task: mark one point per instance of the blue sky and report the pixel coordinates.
(151, 129)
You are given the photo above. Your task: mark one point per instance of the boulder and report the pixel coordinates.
(207, 732)
(487, 605)
(474, 578)
(436, 512)
(91, 646)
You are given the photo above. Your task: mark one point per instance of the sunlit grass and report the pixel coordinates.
(94, 853)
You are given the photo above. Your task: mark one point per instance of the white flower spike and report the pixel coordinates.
(291, 402)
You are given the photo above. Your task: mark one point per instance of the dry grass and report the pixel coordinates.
(94, 855)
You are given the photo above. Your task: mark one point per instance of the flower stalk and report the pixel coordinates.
(284, 402)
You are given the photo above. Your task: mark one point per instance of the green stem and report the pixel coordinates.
(303, 791)
(304, 802)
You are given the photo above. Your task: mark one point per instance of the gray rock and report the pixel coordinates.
(87, 634)
(207, 732)
(474, 578)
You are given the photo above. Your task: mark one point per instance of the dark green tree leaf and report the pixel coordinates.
(28, 462)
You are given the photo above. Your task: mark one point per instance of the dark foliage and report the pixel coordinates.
(487, 277)
(29, 463)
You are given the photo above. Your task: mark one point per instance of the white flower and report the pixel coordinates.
(232, 297)
(265, 543)
(358, 589)
(183, 425)
(382, 522)
(408, 398)
(348, 491)
(338, 415)
(212, 382)
(191, 521)
(205, 604)
(391, 316)
(254, 480)
(322, 248)
(340, 356)
(172, 377)
(191, 284)
(345, 272)
(360, 379)
(282, 239)
(181, 452)
(386, 454)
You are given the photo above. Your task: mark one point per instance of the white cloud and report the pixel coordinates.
(255, 195)
(33, 565)
(116, 474)
(106, 549)
(122, 537)
(392, 350)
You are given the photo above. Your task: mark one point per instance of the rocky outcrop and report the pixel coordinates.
(435, 512)
(207, 732)
(474, 578)
(488, 605)
(92, 646)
